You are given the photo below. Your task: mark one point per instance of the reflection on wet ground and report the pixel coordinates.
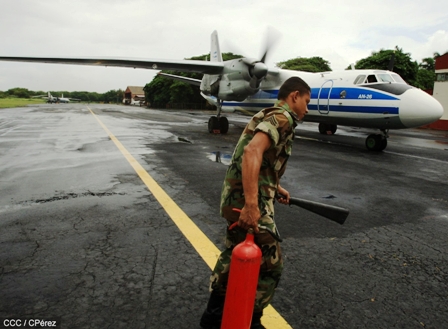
(220, 157)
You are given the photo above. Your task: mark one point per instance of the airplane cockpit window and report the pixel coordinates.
(385, 78)
(397, 78)
(359, 79)
(381, 77)
(371, 79)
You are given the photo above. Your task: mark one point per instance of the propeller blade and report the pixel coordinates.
(390, 67)
(272, 37)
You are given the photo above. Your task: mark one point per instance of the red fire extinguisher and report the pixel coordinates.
(242, 284)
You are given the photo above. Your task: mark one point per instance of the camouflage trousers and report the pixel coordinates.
(271, 263)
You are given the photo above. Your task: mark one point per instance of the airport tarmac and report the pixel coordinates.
(84, 241)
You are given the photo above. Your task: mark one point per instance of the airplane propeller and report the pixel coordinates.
(258, 69)
(390, 67)
(272, 36)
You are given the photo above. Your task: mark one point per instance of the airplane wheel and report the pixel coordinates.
(327, 129)
(223, 125)
(323, 128)
(213, 124)
(376, 142)
(333, 129)
(383, 144)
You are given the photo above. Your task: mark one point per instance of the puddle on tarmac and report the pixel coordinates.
(223, 158)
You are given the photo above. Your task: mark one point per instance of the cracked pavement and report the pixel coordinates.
(83, 240)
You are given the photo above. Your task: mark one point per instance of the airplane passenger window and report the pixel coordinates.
(359, 79)
(385, 78)
(397, 78)
(371, 78)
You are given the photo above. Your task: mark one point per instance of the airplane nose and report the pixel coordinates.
(418, 108)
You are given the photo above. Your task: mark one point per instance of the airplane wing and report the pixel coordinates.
(177, 65)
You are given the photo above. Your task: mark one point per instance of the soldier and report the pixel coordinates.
(251, 183)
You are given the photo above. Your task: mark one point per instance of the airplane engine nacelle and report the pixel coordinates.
(235, 83)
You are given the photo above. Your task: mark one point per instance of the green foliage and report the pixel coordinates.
(425, 79)
(312, 64)
(112, 96)
(404, 65)
(428, 64)
(19, 92)
(157, 92)
(426, 75)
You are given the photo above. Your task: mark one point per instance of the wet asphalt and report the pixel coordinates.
(83, 241)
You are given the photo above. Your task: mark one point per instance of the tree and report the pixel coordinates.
(427, 63)
(425, 79)
(426, 73)
(19, 92)
(157, 92)
(403, 64)
(112, 96)
(312, 64)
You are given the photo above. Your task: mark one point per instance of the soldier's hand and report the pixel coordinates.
(284, 195)
(249, 217)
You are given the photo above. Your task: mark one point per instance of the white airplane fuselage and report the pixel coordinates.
(387, 103)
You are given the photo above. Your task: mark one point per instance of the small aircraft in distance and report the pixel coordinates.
(54, 99)
(378, 99)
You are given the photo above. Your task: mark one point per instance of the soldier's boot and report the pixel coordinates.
(212, 316)
(256, 321)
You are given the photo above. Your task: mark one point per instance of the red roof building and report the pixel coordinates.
(440, 91)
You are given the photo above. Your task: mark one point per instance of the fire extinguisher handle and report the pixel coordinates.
(231, 227)
(275, 235)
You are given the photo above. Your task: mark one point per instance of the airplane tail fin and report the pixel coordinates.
(215, 52)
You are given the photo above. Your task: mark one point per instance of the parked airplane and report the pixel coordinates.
(362, 98)
(63, 99)
(54, 99)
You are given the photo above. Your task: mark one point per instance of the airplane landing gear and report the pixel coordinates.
(218, 124)
(327, 129)
(377, 142)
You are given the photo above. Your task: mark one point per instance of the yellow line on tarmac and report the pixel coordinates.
(206, 249)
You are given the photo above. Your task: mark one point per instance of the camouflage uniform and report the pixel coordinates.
(278, 123)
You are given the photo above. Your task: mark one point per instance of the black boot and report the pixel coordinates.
(256, 321)
(212, 317)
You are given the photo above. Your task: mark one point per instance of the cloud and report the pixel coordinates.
(341, 32)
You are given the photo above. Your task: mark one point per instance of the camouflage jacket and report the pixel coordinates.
(278, 123)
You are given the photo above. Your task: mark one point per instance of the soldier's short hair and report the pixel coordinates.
(291, 85)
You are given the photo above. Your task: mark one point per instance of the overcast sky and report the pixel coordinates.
(341, 32)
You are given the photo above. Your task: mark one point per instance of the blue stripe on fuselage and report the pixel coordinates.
(351, 93)
(333, 108)
(357, 109)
